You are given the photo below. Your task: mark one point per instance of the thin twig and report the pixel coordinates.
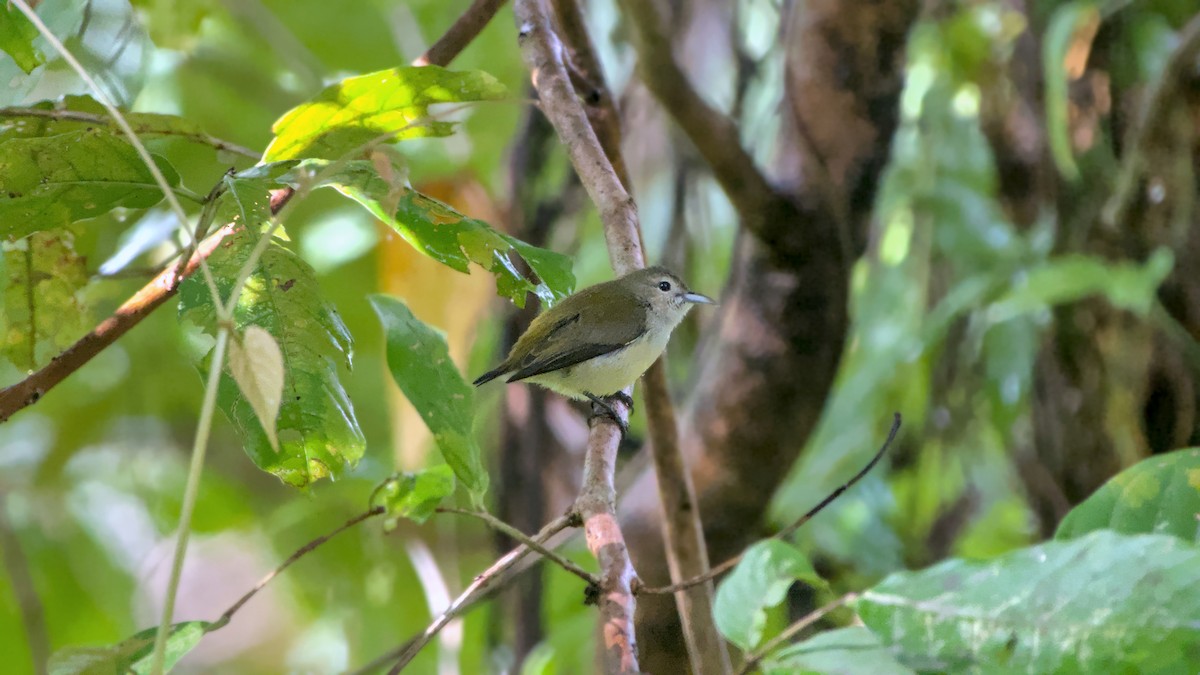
(143, 129)
(791, 631)
(759, 205)
(1151, 121)
(477, 590)
(33, 615)
(191, 489)
(299, 553)
(547, 553)
(460, 34)
(787, 531)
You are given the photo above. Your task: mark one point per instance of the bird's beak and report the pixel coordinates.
(698, 299)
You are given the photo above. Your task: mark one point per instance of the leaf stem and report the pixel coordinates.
(199, 446)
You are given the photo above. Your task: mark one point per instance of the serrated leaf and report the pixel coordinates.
(391, 104)
(51, 182)
(760, 581)
(1103, 602)
(420, 364)
(16, 38)
(844, 651)
(1159, 495)
(257, 366)
(318, 434)
(130, 656)
(414, 495)
(44, 311)
(442, 233)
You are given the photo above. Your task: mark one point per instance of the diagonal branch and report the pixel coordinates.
(683, 536)
(460, 34)
(479, 589)
(762, 208)
(160, 289)
(790, 529)
(596, 504)
(164, 286)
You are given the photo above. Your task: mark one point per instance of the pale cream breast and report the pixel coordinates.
(609, 373)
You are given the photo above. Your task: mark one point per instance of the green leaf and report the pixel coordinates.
(132, 655)
(419, 361)
(317, 430)
(51, 182)
(1072, 277)
(257, 366)
(44, 311)
(390, 104)
(1069, 23)
(414, 495)
(1101, 603)
(759, 581)
(174, 24)
(446, 235)
(16, 37)
(1158, 495)
(844, 651)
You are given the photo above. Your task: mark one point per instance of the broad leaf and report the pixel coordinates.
(844, 651)
(16, 38)
(257, 366)
(1158, 495)
(387, 105)
(414, 495)
(420, 364)
(446, 235)
(760, 581)
(133, 655)
(1103, 602)
(317, 430)
(51, 182)
(43, 308)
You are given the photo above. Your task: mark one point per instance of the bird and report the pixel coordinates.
(596, 342)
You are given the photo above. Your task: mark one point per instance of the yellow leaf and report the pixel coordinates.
(257, 366)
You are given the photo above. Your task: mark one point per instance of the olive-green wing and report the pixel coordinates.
(582, 336)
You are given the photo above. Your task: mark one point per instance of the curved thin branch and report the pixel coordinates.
(758, 203)
(791, 631)
(517, 535)
(479, 588)
(140, 129)
(1153, 120)
(460, 34)
(790, 529)
(298, 554)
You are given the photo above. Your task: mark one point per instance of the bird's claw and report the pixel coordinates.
(602, 408)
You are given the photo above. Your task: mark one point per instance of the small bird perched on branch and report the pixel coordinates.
(599, 340)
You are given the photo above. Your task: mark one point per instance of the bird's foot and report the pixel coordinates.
(602, 408)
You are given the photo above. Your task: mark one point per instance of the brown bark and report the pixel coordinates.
(767, 368)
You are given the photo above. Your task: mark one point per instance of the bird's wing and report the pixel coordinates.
(577, 338)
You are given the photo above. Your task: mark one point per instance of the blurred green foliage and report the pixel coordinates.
(949, 312)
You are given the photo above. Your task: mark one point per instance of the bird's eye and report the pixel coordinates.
(664, 286)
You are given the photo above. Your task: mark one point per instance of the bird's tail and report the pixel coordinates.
(489, 376)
